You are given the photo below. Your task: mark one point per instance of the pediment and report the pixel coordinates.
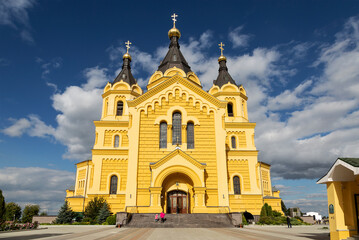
(176, 80)
(178, 157)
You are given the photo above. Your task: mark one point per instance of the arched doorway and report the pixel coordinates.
(177, 192)
(177, 202)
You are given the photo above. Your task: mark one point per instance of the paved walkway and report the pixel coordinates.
(110, 233)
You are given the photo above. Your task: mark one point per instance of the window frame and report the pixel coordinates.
(119, 108)
(163, 135)
(113, 186)
(233, 142)
(236, 186)
(177, 128)
(190, 135)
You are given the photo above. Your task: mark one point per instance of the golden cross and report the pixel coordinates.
(221, 47)
(128, 45)
(174, 19)
(177, 141)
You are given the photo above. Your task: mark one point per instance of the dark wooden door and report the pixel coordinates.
(177, 202)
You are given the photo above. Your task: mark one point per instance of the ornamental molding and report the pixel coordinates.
(109, 152)
(176, 79)
(104, 123)
(239, 125)
(175, 153)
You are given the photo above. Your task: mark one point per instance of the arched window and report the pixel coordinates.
(190, 135)
(113, 184)
(236, 185)
(117, 141)
(119, 108)
(176, 128)
(163, 135)
(233, 140)
(230, 109)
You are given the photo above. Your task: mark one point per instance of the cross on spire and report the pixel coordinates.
(174, 19)
(221, 47)
(128, 45)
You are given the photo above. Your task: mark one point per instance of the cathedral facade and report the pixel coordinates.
(175, 148)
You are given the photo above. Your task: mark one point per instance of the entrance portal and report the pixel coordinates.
(177, 202)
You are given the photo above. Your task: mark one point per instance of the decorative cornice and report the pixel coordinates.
(104, 123)
(173, 154)
(109, 92)
(110, 152)
(230, 94)
(176, 78)
(239, 125)
(235, 153)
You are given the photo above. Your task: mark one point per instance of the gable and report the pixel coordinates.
(169, 87)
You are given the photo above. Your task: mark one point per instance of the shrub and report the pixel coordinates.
(276, 213)
(266, 210)
(244, 220)
(29, 212)
(111, 220)
(93, 207)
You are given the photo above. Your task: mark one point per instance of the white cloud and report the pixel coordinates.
(13, 13)
(237, 39)
(35, 185)
(77, 107)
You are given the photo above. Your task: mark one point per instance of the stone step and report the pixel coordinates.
(198, 220)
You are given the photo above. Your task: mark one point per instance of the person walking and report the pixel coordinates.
(288, 222)
(162, 216)
(156, 218)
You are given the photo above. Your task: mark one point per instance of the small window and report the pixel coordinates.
(230, 109)
(119, 111)
(176, 128)
(190, 135)
(113, 185)
(233, 140)
(163, 135)
(117, 141)
(236, 185)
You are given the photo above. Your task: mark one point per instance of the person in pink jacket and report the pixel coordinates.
(162, 216)
(156, 218)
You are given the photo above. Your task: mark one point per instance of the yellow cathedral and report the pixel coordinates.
(175, 148)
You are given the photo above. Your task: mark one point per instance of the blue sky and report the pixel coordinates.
(298, 61)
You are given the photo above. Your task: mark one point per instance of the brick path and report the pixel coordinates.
(110, 233)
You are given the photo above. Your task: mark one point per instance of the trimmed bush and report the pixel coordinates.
(111, 220)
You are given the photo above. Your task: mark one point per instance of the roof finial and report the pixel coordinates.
(221, 58)
(174, 32)
(174, 19)
(127, 55)
(128, 45)
(221, 47)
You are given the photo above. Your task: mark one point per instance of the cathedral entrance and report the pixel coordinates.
(177, 202)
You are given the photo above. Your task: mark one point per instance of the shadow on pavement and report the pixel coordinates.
(35, 236)
(316, 236)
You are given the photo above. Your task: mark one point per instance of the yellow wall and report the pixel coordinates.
(147, 173)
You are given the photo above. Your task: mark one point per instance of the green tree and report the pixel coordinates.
(266, 211)
(284, 208)
(29, 212)
(12, 212)
(93, 207)
(44, 213)
(65, 214)
(2, 206)
(276, 213)
(103, 213)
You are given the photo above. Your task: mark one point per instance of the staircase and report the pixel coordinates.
(355, 237)
(196, 220)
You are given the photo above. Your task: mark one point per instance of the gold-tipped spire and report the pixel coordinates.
(127, 55)
(174, 32)
(222, 57)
